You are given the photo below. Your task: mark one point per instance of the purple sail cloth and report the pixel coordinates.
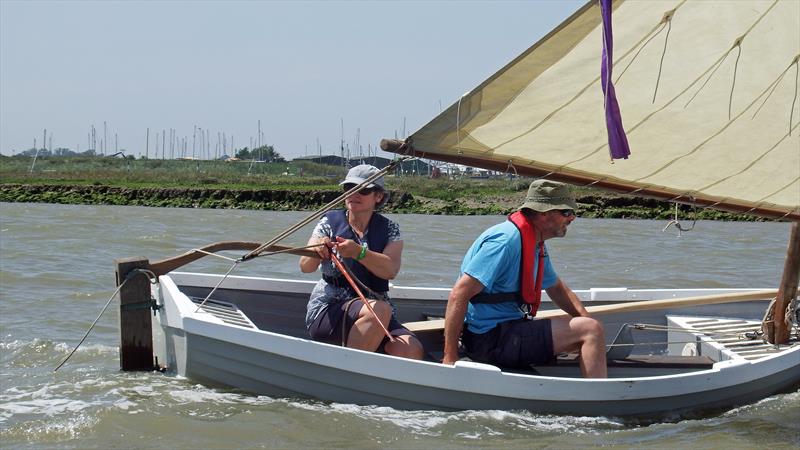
(617, 141)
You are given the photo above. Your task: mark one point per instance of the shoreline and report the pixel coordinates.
(400, 202)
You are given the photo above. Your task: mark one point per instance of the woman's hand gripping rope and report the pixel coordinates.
(346, 274)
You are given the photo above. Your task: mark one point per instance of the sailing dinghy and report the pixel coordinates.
(708, 93)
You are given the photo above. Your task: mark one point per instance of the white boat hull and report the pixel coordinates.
(202, 347)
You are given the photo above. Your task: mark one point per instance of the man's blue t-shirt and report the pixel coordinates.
(494, 260)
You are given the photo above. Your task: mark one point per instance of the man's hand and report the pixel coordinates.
(566, 299)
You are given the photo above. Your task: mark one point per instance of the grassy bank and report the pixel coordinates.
(295, 185)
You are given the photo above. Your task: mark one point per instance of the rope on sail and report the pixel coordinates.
(663, 54)
(733, 83)
(796, 85)
(713, 67)
(774, 86)
(647, 37)
(717, 64)
(736, 44)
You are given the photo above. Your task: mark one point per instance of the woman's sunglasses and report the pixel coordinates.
(363, 191)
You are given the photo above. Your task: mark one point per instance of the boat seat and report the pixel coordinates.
(426, 326)
(652, 361)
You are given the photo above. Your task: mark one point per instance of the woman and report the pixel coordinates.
(370, 246)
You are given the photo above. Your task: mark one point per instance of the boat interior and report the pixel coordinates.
(670, 342)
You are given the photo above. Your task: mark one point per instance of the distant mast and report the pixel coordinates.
(341, 144)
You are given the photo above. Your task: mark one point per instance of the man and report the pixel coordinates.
(499, 291)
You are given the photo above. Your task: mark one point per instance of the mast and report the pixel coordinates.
(787, 291)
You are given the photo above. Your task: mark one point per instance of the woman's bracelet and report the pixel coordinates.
(363, 252)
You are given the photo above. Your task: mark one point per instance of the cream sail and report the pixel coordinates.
(708, 92)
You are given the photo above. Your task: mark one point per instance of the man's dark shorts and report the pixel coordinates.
(515, 344)
(333, 324)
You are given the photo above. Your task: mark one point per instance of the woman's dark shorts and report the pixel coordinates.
(515, 344)
(328, 326)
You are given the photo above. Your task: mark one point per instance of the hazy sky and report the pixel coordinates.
(299, 67)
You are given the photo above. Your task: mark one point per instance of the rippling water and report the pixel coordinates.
(56, 273)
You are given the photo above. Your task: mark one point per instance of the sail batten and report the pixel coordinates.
(711, 113)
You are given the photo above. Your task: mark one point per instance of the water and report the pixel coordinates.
(56, 273)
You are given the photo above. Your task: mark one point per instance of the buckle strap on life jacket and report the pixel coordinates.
(497, 297)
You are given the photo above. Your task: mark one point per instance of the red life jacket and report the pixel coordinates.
(531, 288)
(530, 293)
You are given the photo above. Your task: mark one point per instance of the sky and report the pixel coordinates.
(312, 72)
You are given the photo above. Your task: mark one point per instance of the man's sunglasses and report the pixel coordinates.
(566, 212)
(363, 191)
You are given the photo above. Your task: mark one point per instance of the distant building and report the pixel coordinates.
(330, 160)
(415, 167)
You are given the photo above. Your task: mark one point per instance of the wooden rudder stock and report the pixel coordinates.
(135, 321)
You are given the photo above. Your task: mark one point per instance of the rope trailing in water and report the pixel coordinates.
(131, 274)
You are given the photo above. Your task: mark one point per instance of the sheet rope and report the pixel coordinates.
(756, 334)
(153, 280)
(790, 317)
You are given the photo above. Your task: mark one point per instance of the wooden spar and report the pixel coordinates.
(135, 326)
(779, 332)
(437, 325)
(399, 147)
(165, 266)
